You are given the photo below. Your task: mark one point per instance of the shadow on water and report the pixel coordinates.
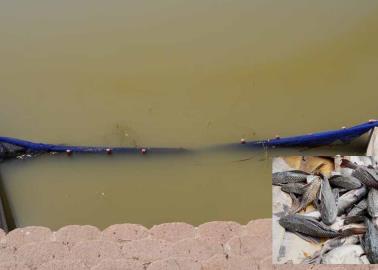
(6, 217)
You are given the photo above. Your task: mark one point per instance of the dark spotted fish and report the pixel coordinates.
(310, 194)
(370, 242)
(308, 226)
(345, 182)
(294, 176)
(366, 175)
(328, 208)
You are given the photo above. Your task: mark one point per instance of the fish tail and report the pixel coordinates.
(347, 164)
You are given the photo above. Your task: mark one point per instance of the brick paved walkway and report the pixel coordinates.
(171, 246)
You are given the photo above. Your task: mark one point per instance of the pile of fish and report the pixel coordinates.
(345, 209)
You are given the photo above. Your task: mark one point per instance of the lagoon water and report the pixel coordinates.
(174, 73)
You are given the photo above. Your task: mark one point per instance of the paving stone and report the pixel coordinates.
(179, 263)
(171, 246)
(93, 251)
(3, 239)
(147, 250)
(35, 254)
(31, 234)
(125, 232)
(223, 262)
(218, 232)
(294, 267)
(172, 232)
(119, 264)
(64, 265)
(196, 249)
(254, 246)
(7, 255)
(260, 227)
(331, 267)
(71, 234)
(13, 266)
(266, 263)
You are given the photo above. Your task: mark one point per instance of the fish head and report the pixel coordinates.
(285, 221)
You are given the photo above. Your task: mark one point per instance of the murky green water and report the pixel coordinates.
(173, 73)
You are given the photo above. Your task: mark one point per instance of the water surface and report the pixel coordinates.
(173, 73)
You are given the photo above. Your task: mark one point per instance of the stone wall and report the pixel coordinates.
(213, 245)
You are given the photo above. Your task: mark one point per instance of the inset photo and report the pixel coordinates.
(325, 210)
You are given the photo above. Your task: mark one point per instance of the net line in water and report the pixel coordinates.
(13, 147)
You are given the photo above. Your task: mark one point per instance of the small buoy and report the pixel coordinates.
(343, 127)
(69, 152)
(278, 137)
(242, 141)
(109, 151)
(143, 151)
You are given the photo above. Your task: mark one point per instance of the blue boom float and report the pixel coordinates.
(12, 147)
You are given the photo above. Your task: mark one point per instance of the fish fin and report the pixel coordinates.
(295, 210)
(316, 258)
(306, 185)
(362, 242)
(347, 164)
(299, 171)
(316, 170)
(308, 238)
(317, 204)
(295, 206)
(277, 184)
(351, 231)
